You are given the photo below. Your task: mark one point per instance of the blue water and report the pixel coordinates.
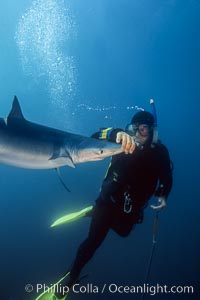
(80, 65)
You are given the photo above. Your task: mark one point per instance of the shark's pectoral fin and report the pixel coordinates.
(60, 160)
(61, 180)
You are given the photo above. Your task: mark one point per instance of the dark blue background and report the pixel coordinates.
(125, 52)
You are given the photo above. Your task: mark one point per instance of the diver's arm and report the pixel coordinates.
(161, 204)
(108, 134)
(165, 179)
(116, 136)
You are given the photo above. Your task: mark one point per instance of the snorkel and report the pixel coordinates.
(155, 129)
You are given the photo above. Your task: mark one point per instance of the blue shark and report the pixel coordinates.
(30, 145)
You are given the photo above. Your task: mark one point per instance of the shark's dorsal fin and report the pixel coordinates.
(16, 111)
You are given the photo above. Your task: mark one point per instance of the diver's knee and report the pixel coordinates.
(124, 232)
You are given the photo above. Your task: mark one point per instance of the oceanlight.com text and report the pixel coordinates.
(150, 289)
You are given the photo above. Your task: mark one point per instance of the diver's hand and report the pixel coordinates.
(128, 144)
(161, 204)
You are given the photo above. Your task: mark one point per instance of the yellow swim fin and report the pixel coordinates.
(49, 294)
(72, 216)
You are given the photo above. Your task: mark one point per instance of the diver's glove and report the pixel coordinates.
(161, 204)
(128, 144)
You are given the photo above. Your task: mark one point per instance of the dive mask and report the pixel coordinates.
(142, 129)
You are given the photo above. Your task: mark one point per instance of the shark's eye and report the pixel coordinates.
(101, 151)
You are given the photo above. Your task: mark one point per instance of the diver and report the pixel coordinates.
(133, 177)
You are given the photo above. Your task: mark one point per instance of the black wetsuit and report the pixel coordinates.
(138, 176)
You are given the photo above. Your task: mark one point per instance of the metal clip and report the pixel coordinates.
(127, 203)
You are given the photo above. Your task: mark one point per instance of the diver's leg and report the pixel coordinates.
(99, 228)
